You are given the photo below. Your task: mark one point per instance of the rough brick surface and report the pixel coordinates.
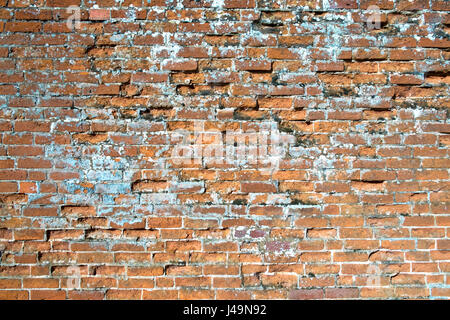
(100, 200)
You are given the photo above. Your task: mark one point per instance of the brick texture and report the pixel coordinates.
(113, 179)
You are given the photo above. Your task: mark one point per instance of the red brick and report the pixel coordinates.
(91, 188)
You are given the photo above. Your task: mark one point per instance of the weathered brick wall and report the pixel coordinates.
(121, 177)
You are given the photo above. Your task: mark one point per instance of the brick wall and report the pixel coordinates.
(248, 149)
